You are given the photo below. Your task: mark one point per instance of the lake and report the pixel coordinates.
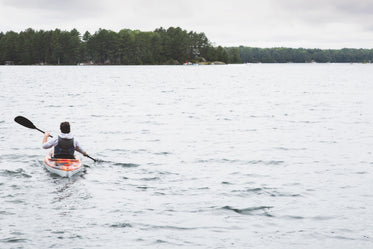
(231, 156)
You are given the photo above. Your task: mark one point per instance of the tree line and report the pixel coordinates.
(301, 55)
(158, 47)
(126, 47)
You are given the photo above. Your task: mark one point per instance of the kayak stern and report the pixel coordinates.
(61, 166)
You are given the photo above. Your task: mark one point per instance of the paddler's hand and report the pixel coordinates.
(85, 154)
(46, 135)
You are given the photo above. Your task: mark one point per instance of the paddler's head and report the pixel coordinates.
(65, 127)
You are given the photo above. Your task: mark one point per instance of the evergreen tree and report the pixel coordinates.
(234, 55)
(161, 46)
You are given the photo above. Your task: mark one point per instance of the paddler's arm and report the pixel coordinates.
(45, 139)
(79, 148)
(48, 144)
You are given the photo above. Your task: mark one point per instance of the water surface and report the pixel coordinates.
(237, 156)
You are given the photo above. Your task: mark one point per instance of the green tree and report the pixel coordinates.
(234, 55)
(222, 54)
(102, 46)
(126, 47)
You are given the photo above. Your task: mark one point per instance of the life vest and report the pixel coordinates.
(64, 148)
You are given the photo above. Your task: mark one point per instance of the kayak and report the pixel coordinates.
(61, 166)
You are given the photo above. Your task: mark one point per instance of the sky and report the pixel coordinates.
(322, 24)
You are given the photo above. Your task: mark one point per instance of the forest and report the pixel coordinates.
(303, 55)
(170, 46)
(126, 47)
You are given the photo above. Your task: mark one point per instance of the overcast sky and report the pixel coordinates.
(260, 23)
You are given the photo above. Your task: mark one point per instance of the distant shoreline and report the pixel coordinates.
(228, 64)
(172, 46)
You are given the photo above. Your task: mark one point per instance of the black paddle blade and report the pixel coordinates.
(25, 122)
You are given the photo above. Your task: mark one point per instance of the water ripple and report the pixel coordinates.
(250, 210)
(120, 225)
(196, 158)
(15, 173)
(126, 165)
(241, 162)
(13, 240)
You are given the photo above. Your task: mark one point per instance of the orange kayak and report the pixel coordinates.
(63, 167)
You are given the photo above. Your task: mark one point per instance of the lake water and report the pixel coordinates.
(234, 156)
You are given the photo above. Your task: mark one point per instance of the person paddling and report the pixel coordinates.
(65, 144)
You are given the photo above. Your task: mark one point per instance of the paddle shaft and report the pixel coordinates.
(95, 160)
(42, 131)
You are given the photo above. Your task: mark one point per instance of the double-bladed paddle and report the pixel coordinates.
(27, 123)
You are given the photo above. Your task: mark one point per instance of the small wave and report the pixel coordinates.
(163, 153)
(15, 173)
(265, 162)
(73, 94)
(150, 179)
(120, 225)
(15, 186)
(261, 116)
(327, 142)
(322, 218)
(167, 172)
(254, 189)
(159, 193)
(159, 241)
(13, 240)
(140, 151)
(6, 213)
(250, 210)
(304, 122)
(170, 228)
(242, 162)
(226, 183)
(118, 150)
(266, 191)
(361, 173)
(110, 132)
(289, 149)
(342, 237)
(294, 217)
(278, 194)
(126, 165)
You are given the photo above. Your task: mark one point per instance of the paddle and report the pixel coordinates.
(27, 123)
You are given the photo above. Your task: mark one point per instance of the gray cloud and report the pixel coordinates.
(324, 11)
(46, 4)
(57, 8)
(355, 7)
(265, 23)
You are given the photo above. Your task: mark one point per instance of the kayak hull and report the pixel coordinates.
(63, 167)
